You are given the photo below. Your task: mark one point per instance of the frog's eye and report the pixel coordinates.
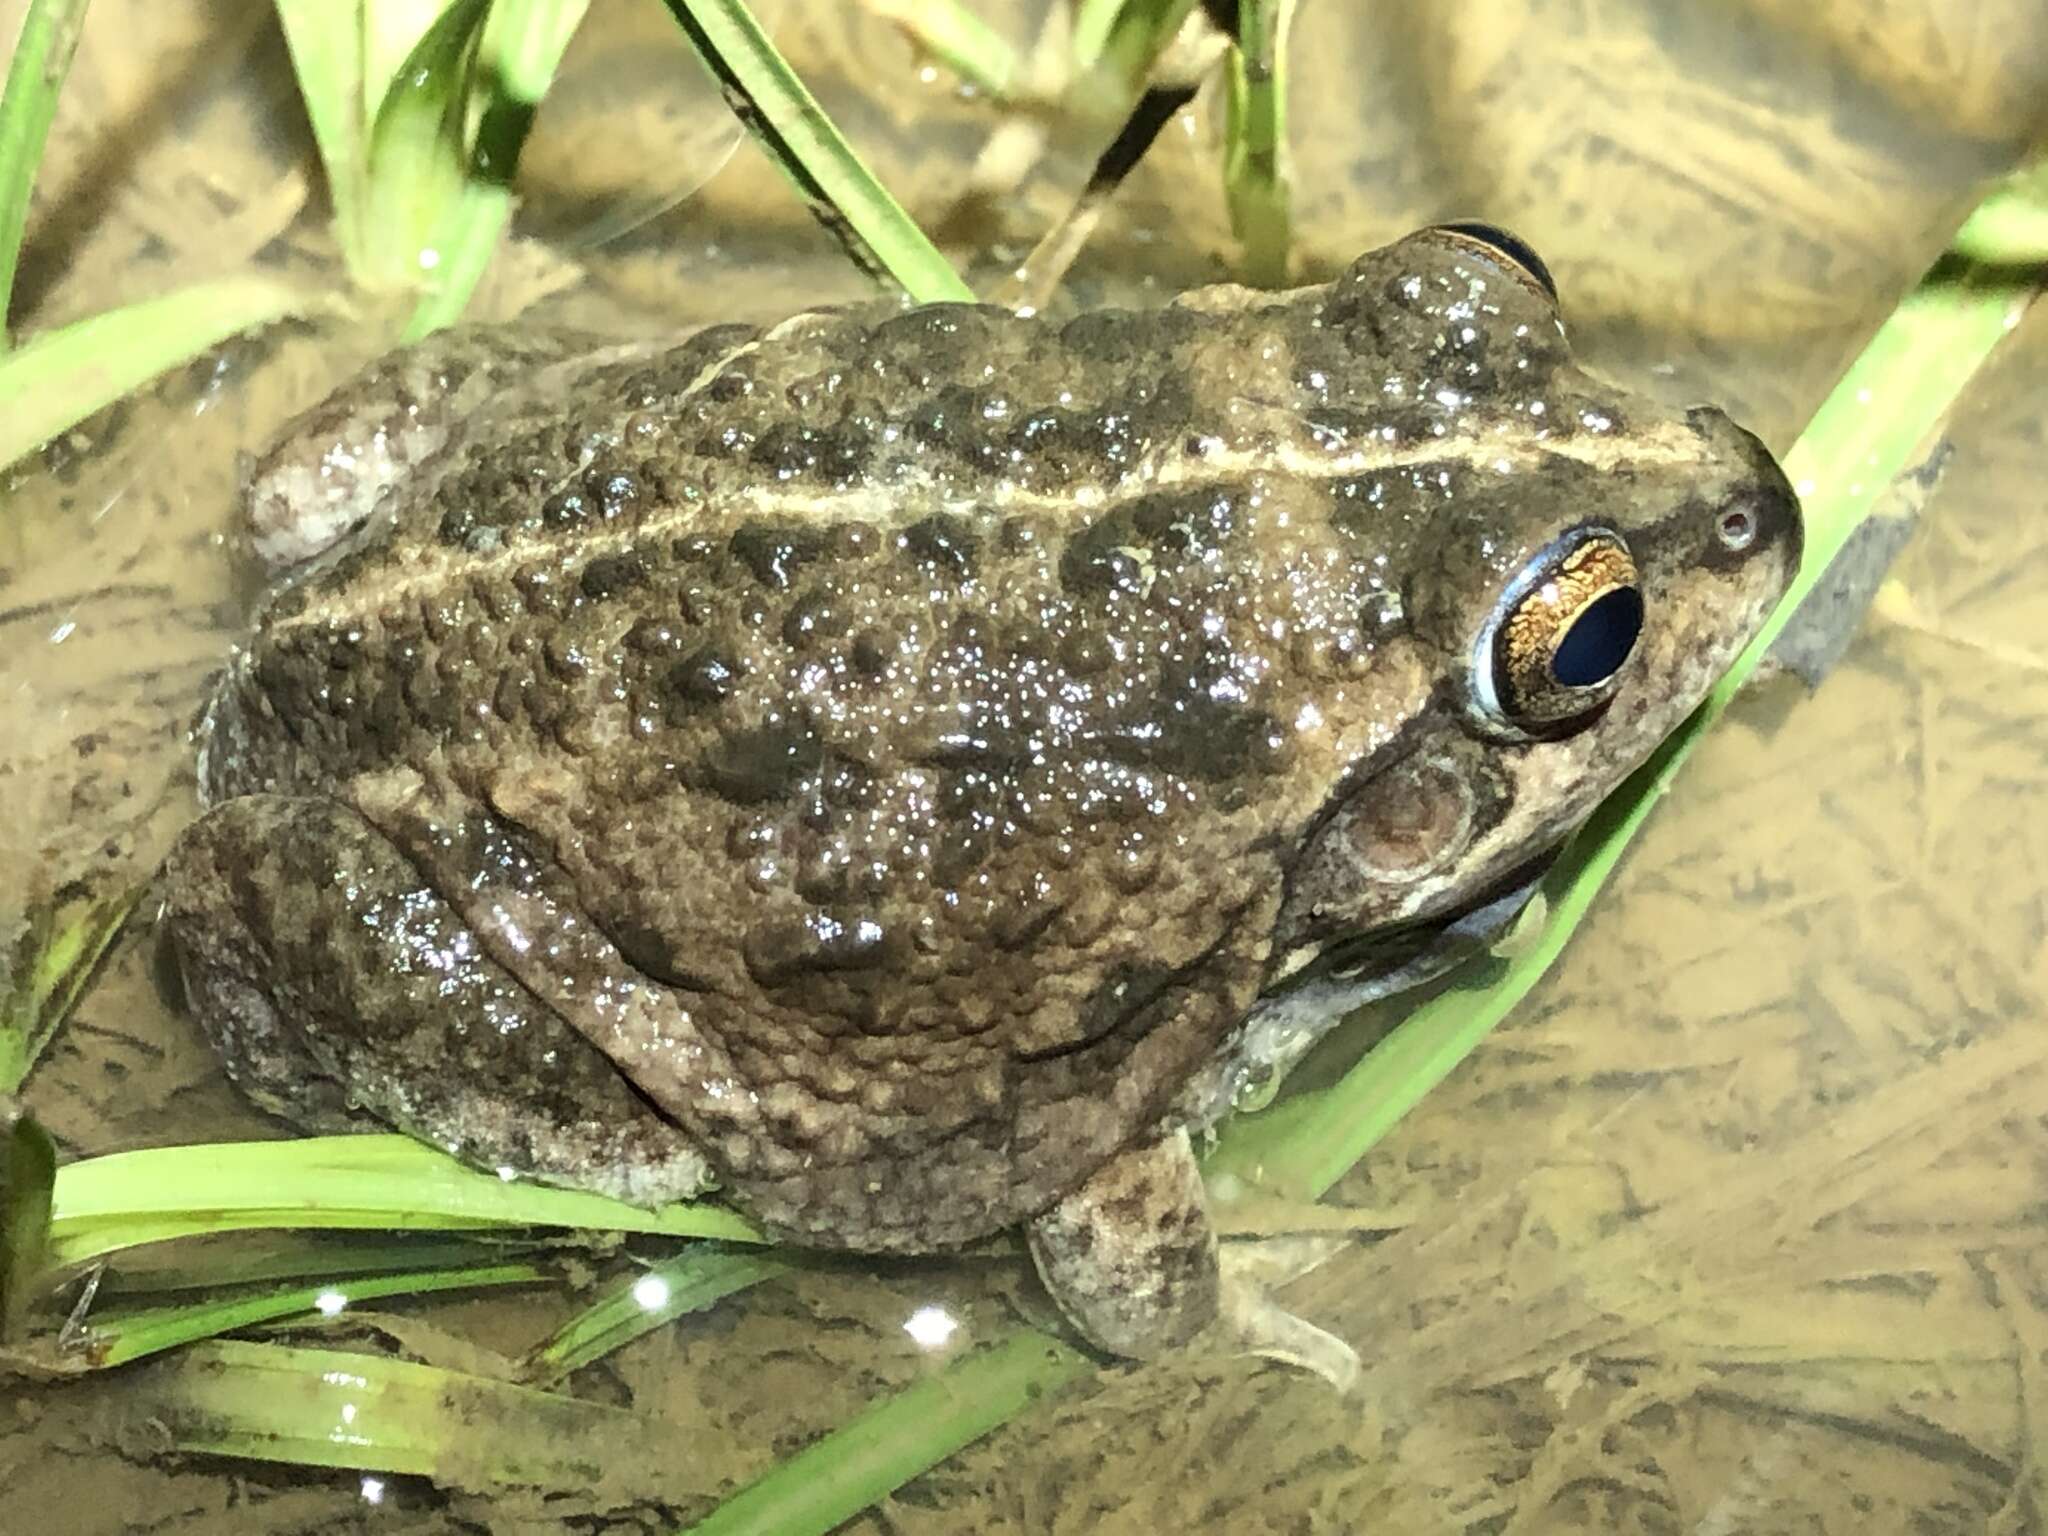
(1503, 249)
(1553, 652)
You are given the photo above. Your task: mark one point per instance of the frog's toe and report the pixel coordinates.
(1130, 1256)
(1255, 1324)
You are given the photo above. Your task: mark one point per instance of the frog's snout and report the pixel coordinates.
(1756, 511)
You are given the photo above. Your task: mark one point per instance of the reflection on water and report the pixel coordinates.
(1735, 1227)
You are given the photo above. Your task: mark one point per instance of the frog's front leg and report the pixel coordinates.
(1130, 1256)
(1132, 1260)
(345, 992)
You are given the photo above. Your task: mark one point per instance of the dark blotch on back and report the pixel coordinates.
(704, 677)
(783, 952)
(1172, 527)
(945, 543)
(762, 766)
(775, 552)
(1199, 738)
(609, 574)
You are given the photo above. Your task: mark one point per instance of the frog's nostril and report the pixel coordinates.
(1737, 529)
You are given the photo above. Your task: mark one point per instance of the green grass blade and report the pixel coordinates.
(1094, 20)
(787, 121)
(687, 1283)
(833, 1479)
(28, 1169)
(2010, 227)
(522, 46)
(237, 1259)
(55, 381)
(28, 105)
(1138, 35)
(1868, 431)
(418, 153)
(325, 40)
(958, 40)
(329, 1408)
(54, 960)
(105, 1204)
(1255, 140)
(120, 1335)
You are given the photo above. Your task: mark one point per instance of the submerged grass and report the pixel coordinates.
(28, 105)
(1255, 140)
(833, 181)
(953, 37)
(118, 1335)
(55, 381)
(55, 960)
(663, 1292)
(518, 52)
(389, 1183)
(419, 111)
(831, 1480)
(28, 1170)
(362, 1412)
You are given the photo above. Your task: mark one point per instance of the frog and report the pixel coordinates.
(912, 770)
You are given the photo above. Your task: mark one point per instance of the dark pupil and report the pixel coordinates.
(1599, 640)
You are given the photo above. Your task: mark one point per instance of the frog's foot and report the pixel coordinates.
(1132, 1260)
(1258, 1325)
(344, 993)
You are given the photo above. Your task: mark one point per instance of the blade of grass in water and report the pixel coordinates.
(789, 124)
(120, 1335)
(522, 45)
(1139, 33)
(2010, 228)
(28, 1166)
(956, 39)
(1093, 22)
(28, 105)
(251, 1259)
(326, 44)
(55, 381)
(54, 960)
(1869, 430)
(1255, 140)
(687, 1283)
(108, 1203)
(832, 1480)
(418, 148)
(329, 1408)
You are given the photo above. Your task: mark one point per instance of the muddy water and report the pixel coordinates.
(1736, 1226)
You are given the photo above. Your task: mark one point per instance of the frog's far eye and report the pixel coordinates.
(1554, 651)
(1504, 247)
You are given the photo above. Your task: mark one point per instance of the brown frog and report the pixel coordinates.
(911, 768)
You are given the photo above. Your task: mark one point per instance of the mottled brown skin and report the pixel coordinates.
(889, 754)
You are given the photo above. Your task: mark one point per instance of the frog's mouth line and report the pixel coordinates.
(1365, 967)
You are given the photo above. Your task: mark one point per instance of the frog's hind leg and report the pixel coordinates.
(342, 990)
(1132, 1259)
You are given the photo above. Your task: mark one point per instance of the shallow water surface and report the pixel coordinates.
(1736, 1226)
